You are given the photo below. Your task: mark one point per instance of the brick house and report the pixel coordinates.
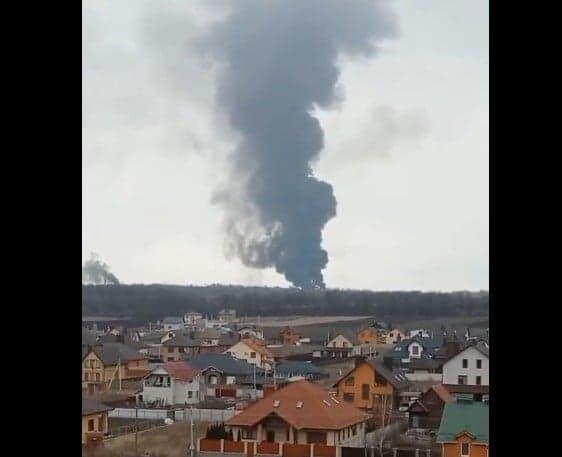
(370, 383)
(289, 336)
(301, 413)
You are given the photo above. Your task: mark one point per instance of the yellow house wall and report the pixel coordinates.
(364, 374)
(100, 424)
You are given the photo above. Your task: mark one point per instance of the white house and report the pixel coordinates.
(172, 323)
(193, 319)
(415, 350)
(339, 341)
(395, 336)
(174, 383)
(419, 332)
(469, 367)
(252, 352)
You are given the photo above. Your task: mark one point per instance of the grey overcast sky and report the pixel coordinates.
(406, 150)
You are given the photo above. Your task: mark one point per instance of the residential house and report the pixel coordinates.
(295, 368)
(302, 352)
(94, 421)
(178, 347)
(227, 315)
(253, 331)
(174, 383)
(252, 350)
(340, 346)
(111, 362)
(193, 320)
(370, 385)
(394, 336)
(189, 343)
(464, 429)
(414, 354)
(289, 336)
(468, 367)
(373, 334)
(420, 332)
(426, 412)
(301, 412)
(173, 323)
(226, 376)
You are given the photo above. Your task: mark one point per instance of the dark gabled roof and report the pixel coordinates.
(90, 406)
(464, 417)
(293, 367)
(88, 338)
(396, 378)
(225, 363)
(111, 353)
(181, 340)
(479, 347)
(424, 363)
(429, 346)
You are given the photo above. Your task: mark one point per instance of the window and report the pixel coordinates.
(86, 376)
(97, 377)
(252, 355)
(365, 392)
(170, 359)
(478, 380)
(350, 381)
(415, 350)
(189, 394)
(212, 379)
(91, 425)
(465, 363)
(479, 363)
(465, 449)
(462, 380)
(349, 398)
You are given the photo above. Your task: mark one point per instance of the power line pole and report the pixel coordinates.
(137, 429)
(191, 445)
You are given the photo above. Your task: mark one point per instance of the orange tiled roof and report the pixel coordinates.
(254, 344)
(319, 410)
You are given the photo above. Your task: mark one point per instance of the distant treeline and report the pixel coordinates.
(155, 301)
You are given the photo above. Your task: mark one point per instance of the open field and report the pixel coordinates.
(318, 332)
(296, 321)
(166, 441)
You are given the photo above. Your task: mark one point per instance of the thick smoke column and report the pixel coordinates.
(97, 272)
(278, 61)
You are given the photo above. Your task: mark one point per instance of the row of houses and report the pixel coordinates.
(245, 367)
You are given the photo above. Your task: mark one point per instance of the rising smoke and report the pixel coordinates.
(97, 272)
(277, 63)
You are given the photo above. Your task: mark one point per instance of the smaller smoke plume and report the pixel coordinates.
(97, 272)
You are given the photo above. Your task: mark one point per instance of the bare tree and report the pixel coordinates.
(383, 412)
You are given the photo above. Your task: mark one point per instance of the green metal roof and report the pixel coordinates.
(464, 416)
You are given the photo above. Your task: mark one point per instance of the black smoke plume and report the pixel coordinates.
(278, 61)
(97, 272)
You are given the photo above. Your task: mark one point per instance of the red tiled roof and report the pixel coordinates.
(181, 370)
(318, 409)
(253, 344)
(442, 393)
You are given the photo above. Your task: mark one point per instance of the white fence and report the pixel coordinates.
(199, 415)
